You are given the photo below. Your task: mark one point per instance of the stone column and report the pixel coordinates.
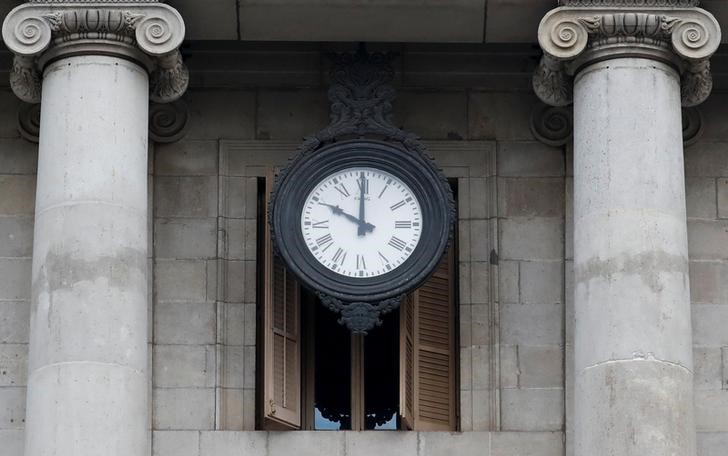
(633, 335)
(87, 369)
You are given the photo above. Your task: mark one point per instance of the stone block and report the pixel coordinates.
(180, 280)
(454, 443)
(532, 324)
(509, 373)
(413, 112)
(711, 410)
(482, 410)
(15, 278)
(541, 366)
(708, 368)
(184, 323)
(249, 409)
(230, 413)
(221, 114)
(18, 156)
(12, 408)
(700, 194)
(184, 366)
(465, 333)
(175, 443)
(306, 443)
(712, 443)
(228, 443)
(532, 238)
(480, 241)
(12, 442)
(479, 195)
(13, 365)
(464, 283)
(466, 410)
(183, 409)
(185, 238)
(232, 367)
(529, 159)
(707, 159)
(709, 324)
(531, 197)
(215, 20)
(240, 239)
(481, 367)
(231, 322)
(186, 158)
(236, 289)
(10, 104)
(709, 282)
(722, 198)
(380, 443)
(291, 114)
(499, 115)
(532, 409)
(194, 196)
(14, 322)
(213, 281)
(250, 324)
(527, 444)
(509, 279)
(724, 364)
(479, 282)
(480, 319)
(542, 282)
(17, 194)
(708, 240)
(466, 368)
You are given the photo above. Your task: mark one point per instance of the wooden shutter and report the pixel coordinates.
(428, 393)
(282, 344)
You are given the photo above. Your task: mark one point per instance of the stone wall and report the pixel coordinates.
(516, 316)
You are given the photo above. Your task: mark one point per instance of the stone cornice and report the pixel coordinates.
(676, 33)
(148, 32)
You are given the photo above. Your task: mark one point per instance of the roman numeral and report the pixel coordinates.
(386, 261)
(324, 240)
(363, 184)
(360, 264)
(321, 225)
(341, 188)
(397, 243)
(339, 256)
(403, 224)
(394, 207)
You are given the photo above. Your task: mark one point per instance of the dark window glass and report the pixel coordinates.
(381, 373)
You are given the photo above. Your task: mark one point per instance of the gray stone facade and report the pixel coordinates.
(248, 109)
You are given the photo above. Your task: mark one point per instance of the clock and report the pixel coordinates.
(361, 222)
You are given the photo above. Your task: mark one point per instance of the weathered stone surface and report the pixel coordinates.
(709, 323)
(527, 444)
(413, 112)
(709, 282)
(707, 159)
(184, 323)
(18, 194)
(541, 366)
(505, 116)
(12, 408)
(537, 239)
(221, 114)
(185, 238)
(700, 197)
(18, 156)
(15, 279)
(708, 368)
(712, 443)
(16, 236)
(183, 366)
(509, 279)
(175, 443)
(722, 198)
(186, 196)
(180, 280)
(708, 240)
(529, 159)
(186, 158)
(447, 444)
(14, 322)
(183, 409)
(291, 114)
(531, 324)
(12, 442)
(13, 364)
(532, 409)
(389, 443)
(541, 282)
(533, 197)
(306, 443)
(221, 443)
(711, 410)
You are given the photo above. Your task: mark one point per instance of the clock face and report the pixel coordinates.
(361, 222)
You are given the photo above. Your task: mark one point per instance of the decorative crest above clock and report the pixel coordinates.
(361, 215)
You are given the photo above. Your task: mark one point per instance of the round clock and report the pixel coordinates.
(361, 220)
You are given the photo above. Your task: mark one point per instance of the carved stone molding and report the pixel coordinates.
(552, 125)
(29, 121)
(147, 32)
(585, 31)
(168, 122)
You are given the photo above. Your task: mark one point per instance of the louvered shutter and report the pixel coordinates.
(282, 345)
(432, 362)
(406, 363)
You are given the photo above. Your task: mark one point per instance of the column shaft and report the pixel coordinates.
(633, 340)
(87, 384)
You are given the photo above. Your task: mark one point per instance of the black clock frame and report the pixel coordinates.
(361, 134)
(305, 174)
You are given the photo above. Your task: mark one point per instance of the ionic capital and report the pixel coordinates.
(585, 31)
(147, 32)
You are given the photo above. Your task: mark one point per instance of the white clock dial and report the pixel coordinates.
(361, 222)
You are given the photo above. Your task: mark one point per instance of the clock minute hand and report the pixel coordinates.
(338, 211)
(361, 231)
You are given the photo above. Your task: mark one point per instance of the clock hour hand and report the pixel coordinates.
(338, 211)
